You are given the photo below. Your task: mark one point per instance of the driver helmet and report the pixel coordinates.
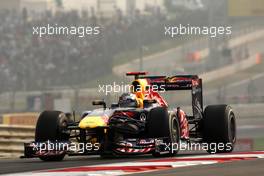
(128, 100)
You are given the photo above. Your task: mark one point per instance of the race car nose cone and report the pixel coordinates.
(92, 122)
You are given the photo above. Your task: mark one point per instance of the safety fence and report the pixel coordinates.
(12, 138)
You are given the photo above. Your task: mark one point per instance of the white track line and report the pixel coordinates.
(175, 162)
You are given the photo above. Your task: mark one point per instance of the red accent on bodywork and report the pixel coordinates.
(184, 125)
(152, 95)
(113, 168)
(125, 113)
(218, 159)
(136, 73)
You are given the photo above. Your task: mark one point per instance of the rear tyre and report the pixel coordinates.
(52, 126)
(162, 124)
(219, 128)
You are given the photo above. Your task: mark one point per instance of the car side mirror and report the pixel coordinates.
(99, 102)
(114, 105)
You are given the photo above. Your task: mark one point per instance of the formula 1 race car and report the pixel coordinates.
(140, 123)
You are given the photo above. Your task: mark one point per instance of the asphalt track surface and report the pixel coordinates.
(241, 168)
(237, 168)
(23, 165)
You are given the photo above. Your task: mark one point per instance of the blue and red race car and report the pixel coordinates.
(141, 122)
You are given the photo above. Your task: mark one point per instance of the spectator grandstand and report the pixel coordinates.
(29, 62)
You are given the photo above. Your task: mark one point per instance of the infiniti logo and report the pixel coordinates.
(143, 117)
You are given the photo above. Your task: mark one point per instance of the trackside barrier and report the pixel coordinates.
(12, 138)
(25, 118)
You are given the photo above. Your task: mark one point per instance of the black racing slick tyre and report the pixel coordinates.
(161, 124)
(219, 128)
(52, 126)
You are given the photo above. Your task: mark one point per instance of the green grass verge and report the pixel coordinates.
(259, 144)
(241, 75)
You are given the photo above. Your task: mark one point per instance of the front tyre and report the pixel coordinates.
(219, 128)
(161, 124)
(52, 126)
(174, 127)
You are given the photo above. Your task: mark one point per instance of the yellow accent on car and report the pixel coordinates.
(140, 91)
(92, 122)
(142, 83)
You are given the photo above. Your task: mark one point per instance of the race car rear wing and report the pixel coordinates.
(183, 82)
(177, 82)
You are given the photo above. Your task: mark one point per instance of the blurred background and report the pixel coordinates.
(63, 72)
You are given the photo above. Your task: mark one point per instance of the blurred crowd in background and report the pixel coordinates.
(29, 62)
